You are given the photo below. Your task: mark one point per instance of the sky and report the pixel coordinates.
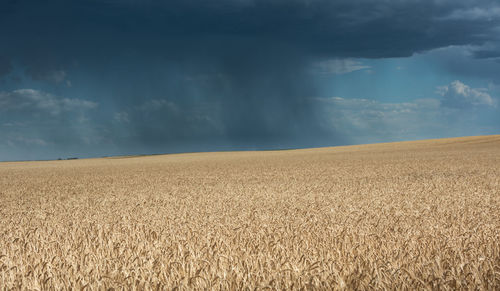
(92, 78)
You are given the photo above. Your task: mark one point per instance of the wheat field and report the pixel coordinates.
(409, 215)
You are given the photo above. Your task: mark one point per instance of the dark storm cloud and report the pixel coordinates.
(331, 28)
(5, 66)
(48, 35)
(487, 54)
(237, 70)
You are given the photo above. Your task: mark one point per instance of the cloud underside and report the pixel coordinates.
(232, 29)
(338, 66)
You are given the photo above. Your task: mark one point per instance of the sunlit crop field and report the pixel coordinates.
(422, 214)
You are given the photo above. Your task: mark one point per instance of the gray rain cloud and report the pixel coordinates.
(207, 75)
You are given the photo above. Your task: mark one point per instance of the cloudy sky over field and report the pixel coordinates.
(106, 77)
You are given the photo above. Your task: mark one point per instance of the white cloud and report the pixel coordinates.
(475, 13)
(121, 117)
(459, 95)
(49, 75)
(21, 140)
(365, 121)
(39, 101)
(338, 66)
(158, 104)
(14, 124)
(377, 118)
(56, 76)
